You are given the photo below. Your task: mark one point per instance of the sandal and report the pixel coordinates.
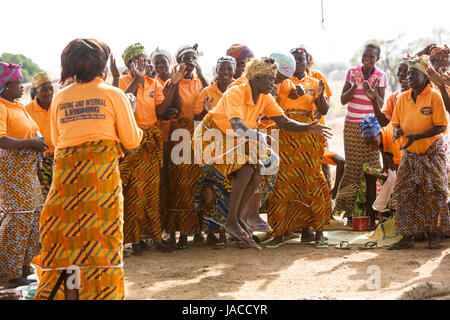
(369, 245)
(219, 246)
(343, 245)
(252, 243)
(261, 227)
(321, 244)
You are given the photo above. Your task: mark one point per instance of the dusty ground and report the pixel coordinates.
(289, 272)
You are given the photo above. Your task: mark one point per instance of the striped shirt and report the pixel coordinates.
(360, 105)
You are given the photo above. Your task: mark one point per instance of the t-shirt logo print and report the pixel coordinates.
(426, 111)
(152, 94)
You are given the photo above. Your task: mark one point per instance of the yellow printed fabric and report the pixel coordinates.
(140, 175)
(82, 221)
(301, 196)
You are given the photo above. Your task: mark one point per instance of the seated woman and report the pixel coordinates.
(378, 139)
(421, 190)
(21, 150)
(236, 116)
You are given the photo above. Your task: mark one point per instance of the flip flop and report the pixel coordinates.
(232, 233)
(343, 245)
(252, 243)
(219, 246)
(321, 244)
(370, 245)
(274, 246)
(261, 227)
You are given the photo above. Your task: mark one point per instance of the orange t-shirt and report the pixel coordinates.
(237, 102)
(189, 90)
(15, 122)
(92, 111)
(420, 116)
(319, 76)
(388, 108)
(211, 91)
(389, 146)
(238, 81)
(285, 87)
(42, 119)
(148, 97)
(305, 102)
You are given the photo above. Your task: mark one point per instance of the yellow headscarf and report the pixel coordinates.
(133, 51)
(39, 79)
(420, 63)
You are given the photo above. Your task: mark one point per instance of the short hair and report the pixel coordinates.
(373, 46)
(261, 67)
(84, 59)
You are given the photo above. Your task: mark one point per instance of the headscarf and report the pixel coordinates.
(420, 63)
(439, 51)
(133, 51)
(261, 67)
(286, 63)
(39, 79)
(225, 59)
(240, 52)
(299, 49)
(185, 49)
(160, 52)
(369, 126)
(9, 72)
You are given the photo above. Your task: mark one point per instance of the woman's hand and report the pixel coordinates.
(37, 143)
(300, 90)
(178, 74)
(321, 88)
(357, 78)
(274, 91)
(437, 76)
(207, 103)
(320, 130)
(132, 100)
(138, 68)
(398, 132)
(173, 113)
(411, 138)
(370, 90)
(113, 67)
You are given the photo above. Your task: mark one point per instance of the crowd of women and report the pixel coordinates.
(98, 165)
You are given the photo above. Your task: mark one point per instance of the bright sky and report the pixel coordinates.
(41, 29)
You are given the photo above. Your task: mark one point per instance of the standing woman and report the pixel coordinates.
(82, 220)
(141, 170)
(38, 109)
(301, 198)
(183, 177)
(21, 148)
(359, 106)
(242, 54)
(421, 190)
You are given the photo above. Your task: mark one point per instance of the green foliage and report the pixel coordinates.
(29, 67)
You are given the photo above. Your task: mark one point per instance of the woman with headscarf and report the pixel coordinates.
(378, 138)
(235, 118)
(357, 152)
(242, 54)
(421, 190)
(38, 109)
(183, 173)
(301, 198)
(141, 170)
(21, 149)
(82, 220)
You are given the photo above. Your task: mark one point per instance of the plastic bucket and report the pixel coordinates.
(361, 223)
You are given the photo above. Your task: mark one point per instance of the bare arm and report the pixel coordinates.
(33, 143)
(291, 125)
(427, 134)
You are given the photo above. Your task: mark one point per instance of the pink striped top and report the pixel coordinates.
(360, 105)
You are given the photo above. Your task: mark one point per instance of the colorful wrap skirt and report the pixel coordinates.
(140, 173)
(46, 173)
(421, 192)
(82, 221)
(357, 152)
(301, 196)
(21, 202)
(183, 179)
(216, 179)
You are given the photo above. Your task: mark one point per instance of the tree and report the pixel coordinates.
(29, 68)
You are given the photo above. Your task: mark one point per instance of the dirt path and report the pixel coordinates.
(289, 272)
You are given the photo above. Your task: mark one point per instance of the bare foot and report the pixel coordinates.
(234, 228)
(245, 226)
(182, 242)
(307, 235)
(258, 224)
(404, 243)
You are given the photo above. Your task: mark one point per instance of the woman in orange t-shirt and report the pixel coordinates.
(21, 150)
(38, 109)
(183, 174)
(421, 189)
(81, 226)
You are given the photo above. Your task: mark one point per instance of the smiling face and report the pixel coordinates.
(265, 83)
(301, 62)
(416, 79)
(402, 73)
(440, 62)
(369, 58)
(240, 68)
(225, 72)
(44, 93)
(162, 66)
(187, 58)
(14, 89)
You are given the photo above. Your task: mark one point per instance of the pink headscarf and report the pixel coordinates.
(9, 72)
